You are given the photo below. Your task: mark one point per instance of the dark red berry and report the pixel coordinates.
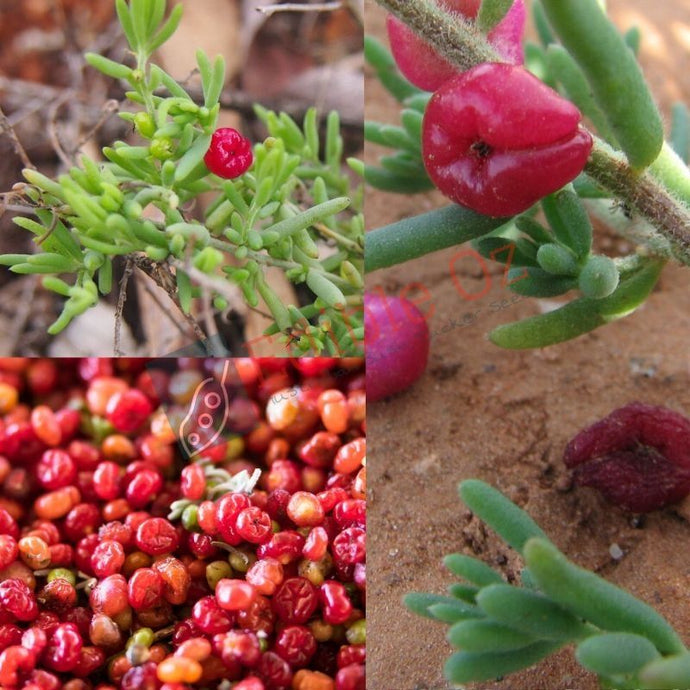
(638, 457)
(295, 601)
(296, 645)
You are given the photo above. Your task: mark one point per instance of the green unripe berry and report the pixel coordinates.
(62, 574)
(357, 632)
(599, 278)
(217, 571)
(557, 260)
(189, 519)
(143, 637)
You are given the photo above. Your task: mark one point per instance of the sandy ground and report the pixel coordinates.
(506, 417)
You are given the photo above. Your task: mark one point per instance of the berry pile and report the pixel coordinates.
(126, 564)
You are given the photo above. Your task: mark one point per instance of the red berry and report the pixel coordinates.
(274, 671)
(335, 604)
(234, 595)
(305, 509)
(496, 139)
(254, 525)
(145, 589)
(295, 601)
(156, 536)
(109, 596)
(143, 487)
(9, 551)
(106, 480)
(296, 645)
(352, 677)
(230, 154)
(108, 558)
(128, 410)
(210, 618)
(17, 601)
(15, 664)
(193, 482)
(64, 648)
(56, 469)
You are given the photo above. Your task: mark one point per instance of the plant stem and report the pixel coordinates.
(643, 194)
(418, 235)
(658, 199)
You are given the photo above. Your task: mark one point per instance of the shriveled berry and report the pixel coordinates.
(145, 589)
(295, 601)
(176, 579)
(17, 600)
(9, 551)
(638, 457)
(296, 645)
(253, 525)
(156, 536)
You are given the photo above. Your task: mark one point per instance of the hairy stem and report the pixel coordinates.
(657, 199)
(458, 40)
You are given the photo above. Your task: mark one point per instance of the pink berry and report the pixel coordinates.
(397, 341)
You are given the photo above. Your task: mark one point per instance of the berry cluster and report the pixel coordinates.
(126, 564)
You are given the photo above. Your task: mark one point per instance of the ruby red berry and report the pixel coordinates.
(638, 457)
(230, 154)
(496, 139)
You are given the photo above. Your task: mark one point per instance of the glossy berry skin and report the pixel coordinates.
(397, 341)
(638, 457)
(230, 154)
(496, 140)
(426, 69)
(17, 602)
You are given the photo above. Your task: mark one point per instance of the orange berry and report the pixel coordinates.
(197, 648)
(118, 447)
(45, 425)
(9, 397)
(34, 552)
(312, 680)
(334, 411)
(57, 504)
(179, 669)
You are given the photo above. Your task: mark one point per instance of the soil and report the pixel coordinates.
(505, 417)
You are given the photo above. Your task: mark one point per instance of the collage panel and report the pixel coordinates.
(182, 523)
(527, 327)
(181, 178)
